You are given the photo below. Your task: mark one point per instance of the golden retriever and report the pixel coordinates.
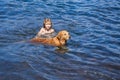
(59, 40)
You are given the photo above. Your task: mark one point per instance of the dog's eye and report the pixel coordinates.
(64, 34)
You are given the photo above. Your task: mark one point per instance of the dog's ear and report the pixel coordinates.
(59, 36)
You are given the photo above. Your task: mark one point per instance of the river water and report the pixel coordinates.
(93, 50)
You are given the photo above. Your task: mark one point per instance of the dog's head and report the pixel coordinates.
(63, 35)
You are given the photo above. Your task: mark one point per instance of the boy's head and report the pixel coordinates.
(47, 24)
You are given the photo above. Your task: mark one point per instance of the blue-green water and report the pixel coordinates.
(93, 50)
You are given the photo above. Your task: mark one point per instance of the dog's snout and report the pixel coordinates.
(69, 37)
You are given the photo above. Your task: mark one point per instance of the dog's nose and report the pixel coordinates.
(69, 37)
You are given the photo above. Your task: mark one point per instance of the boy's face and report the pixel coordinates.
(47, 26)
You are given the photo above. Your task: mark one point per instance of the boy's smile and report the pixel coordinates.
(47, 26)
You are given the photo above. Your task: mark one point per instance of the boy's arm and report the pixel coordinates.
(41, 32)
(52, 30)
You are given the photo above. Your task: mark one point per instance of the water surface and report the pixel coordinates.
(93, 50)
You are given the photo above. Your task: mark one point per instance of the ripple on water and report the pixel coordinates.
(93, 50)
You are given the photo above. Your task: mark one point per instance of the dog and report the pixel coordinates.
(59, 40)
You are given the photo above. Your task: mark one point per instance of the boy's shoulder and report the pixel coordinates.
(42, 28)
(52, 29)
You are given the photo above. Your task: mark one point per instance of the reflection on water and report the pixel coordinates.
(92, 53)
(63, 50)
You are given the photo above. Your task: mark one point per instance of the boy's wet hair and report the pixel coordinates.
(47, 21)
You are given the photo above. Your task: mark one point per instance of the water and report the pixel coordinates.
(93, 50)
